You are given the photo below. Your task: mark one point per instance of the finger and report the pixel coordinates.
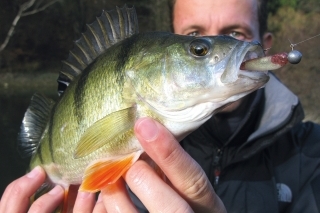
(99, 207)
(153, 192)
(116, 199)
(48, 202)
(16, 197)
(184, 173)
(84, 203)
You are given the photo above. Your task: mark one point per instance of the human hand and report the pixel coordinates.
(189, 189)
(16, 197)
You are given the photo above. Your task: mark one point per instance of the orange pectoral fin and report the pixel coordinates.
(104, 172)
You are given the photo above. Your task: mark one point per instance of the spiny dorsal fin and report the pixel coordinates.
(111, 27)
(33, 124)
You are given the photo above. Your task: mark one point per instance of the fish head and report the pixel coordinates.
(209, 70)
(194, 76)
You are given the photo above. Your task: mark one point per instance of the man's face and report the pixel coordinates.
(237, 18)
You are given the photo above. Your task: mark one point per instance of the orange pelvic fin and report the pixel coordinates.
(104, 172)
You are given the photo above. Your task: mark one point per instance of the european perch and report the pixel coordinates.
(115, 75)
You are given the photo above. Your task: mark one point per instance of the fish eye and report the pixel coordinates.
(199, 47)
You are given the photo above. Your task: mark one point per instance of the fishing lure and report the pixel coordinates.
(275, 61)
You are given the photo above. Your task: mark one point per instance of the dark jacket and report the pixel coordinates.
(271, 163)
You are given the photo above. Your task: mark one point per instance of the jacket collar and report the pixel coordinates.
(278, 109)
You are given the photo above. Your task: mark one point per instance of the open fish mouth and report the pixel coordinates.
(254, 52)
(234, 69)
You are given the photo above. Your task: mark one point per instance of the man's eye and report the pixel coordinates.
(195, 33)
(236, 35)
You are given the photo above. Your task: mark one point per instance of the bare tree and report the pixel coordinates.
(26, 9)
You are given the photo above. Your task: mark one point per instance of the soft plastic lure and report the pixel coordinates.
(271, 62)
(275, 61)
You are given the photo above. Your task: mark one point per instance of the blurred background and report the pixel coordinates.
(44, 34)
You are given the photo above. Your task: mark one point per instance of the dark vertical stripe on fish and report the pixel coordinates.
(50, 133)
(125, 51)
(79, 95)
(39, 151)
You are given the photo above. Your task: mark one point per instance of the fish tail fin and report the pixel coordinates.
(33, 124)
(105, 172)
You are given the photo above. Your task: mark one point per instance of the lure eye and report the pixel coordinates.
(199, 47)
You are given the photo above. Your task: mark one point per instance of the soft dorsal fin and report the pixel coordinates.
(33, 124)
(111, 27)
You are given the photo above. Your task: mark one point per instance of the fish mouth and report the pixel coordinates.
(247, 52)
(252, 54)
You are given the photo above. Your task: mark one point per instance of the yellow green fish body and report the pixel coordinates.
(87, 136)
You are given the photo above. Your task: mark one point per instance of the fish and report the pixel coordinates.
(115, 75)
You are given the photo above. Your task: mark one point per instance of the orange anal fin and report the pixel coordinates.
(65, 202)
(63, 207)
(104, 172)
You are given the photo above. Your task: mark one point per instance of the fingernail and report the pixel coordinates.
(56, 190)
(148, 129)
(34, 172)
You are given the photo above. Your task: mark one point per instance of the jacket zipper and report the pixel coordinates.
(217, 167)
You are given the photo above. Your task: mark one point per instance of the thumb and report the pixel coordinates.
(186, 175)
